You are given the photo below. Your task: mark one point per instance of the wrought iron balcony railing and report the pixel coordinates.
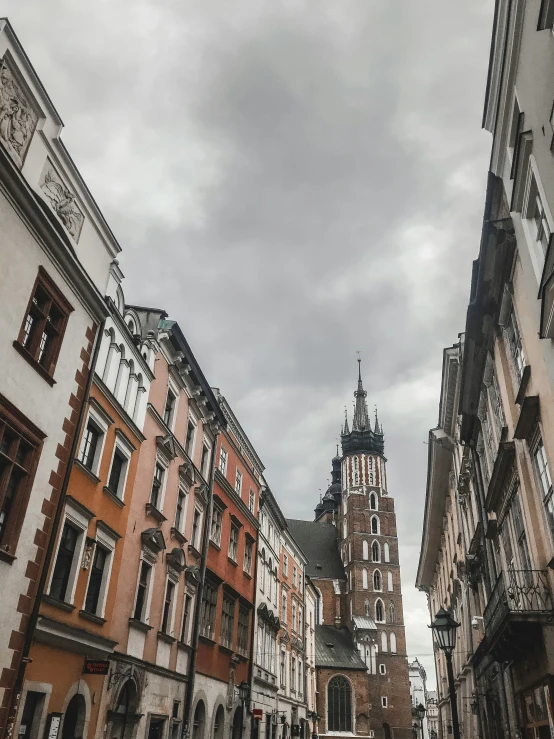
(517, 594)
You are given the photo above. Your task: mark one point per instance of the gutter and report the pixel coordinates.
(33, 617)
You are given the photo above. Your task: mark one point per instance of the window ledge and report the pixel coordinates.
(155, 513)
(166, 637)
(113, 496)
(86, 471)
(206, 639)
(176, 534)
(28, 357)
(7, 557)
(92, 617)
(226, 649)
(214, 545)
(233, 562)
(139, 625)
(193, 550)
(61, 604)
(184, 645)
(247, 574)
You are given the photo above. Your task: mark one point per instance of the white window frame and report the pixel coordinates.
(171, 387)
(74, 515)
(248, 543)
(208, 458)
(384, 701)
(378, 532)
(183, 488)
(194, 421)
(382, 668)
(236, 554)
(220, 511)
(251, 501)
(223, 455)
(389, 582)
(160, 460)
(123, 445)
(171, 625)
(533, 187)
(189, 593)
(106, 539)
(102, 423)
(238, 481)
(150, 559)
(197, 544)
(285, 565)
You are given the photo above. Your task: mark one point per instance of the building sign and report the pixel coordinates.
(53, 725)
(257, 713)
(96, 667)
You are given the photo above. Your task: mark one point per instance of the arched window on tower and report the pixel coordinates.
(339, 703)
(379, 611)
(350, 551)
(269, 579)
(393, 643)
(365, 550)
(389, 576)
(391, 613)
(364, 578)
(373, 501)
(344, 529)
(374, 525)
(376, 552)
(370, 463)
(386, 551)
(356, 471)
(384, 646)
(377, 582)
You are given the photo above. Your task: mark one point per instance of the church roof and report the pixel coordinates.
(335, 648)
(319, 542)
(364, 622)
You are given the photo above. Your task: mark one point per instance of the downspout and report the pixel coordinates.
(187, 718)
(253, 633)
(33, 617)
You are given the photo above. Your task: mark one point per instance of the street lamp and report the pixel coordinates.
(419, 713)
(314, 716)
(444, 628)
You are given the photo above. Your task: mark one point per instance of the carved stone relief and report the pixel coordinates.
(18, 120)
(62, 200)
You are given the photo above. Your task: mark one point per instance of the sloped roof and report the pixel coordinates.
(335, 648)
(364, 622)
(319, 542)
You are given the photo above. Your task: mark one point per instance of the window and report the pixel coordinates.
(293, 615)
(384, 701)
(391, 612)
(292, 674)
(251, 501)
(207, 611)
(19, 452)
(375, 552)
(120, 464)
(300, 680)
(179, 510)
(269, 578)
(187, 609)
(96, 579)
(393, 643)
(90, 446)
(205, 461)
(196, 519)
(248, 557)
(374, 525)
(389, 578)
(157, 483)
(233, 542)
(382, 669)
(285, 565)
(189, 439)
(169, 410)
(142, 591)
(386, 550)
(284, 607)
(377, 582)
(283, 668)
(364, 579)
(379, 611)
(373, 502)
(356, 471)
(41, 333)
(515, 346)
(167, 616)
(294, 576)
(215, 531)
(545, 482)
(384, 645)
(300, 580)
(540, 227)
(242, 630)
(227, 621)
(339, 704)
(238, 481)
(365, 550)
(300, 616)
(223, 461)
(64, 562)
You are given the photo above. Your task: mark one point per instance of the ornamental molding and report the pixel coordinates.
(62, 200)
(18, 119)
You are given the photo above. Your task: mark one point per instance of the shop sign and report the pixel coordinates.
(53, 725)
(96, 667)
(257, 713)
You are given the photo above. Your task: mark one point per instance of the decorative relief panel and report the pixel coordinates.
(62, 200)
(18, 120)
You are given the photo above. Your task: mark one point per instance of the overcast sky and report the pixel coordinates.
(292, 181)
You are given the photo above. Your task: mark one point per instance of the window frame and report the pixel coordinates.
(547, 498)
(78, 517)
(145, 610)
(238, 481)
(223, 460)
(106, 539)
(159, 463)
(233, 548)
(190, 442)
(227, 622)
(217, 515)
(196, 533)
(248, 558)
(126, 449)
(174, 391)
(44, 282)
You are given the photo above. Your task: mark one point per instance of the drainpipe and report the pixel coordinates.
(33, 617)
(187, 718)
(253, 630)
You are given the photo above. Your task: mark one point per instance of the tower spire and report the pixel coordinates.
(346, 429)
(361, 414)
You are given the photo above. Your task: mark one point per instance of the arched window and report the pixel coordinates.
(384, 646)
(236, 728)
(377, 581)
(350, 551)
(379, 611)
(74, 719)
(376, 552)
(356, 471)
(374, 525)
(344, 530)
(393, 643)
(339, 704)
(366, 607)
(389, 575)
(370, 463)
(371, 479)
(219, 723)
(391, 613)
(365, 550)
(270, 579)
(373, 501)
(386, 551)
(199, 721)
(350, 578)
(364, 578)
(386, 731)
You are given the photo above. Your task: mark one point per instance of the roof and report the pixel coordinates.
(364, 622)
(335, 648)
(319, 542)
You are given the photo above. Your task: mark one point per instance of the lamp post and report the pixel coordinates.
(314, 716)
(444, 628)
(420, 713)
(244, 695)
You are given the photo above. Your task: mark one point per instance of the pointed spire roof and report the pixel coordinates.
(361, 414)
(378, 429)
(346, 430)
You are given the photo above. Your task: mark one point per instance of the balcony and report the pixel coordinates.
(520, 601)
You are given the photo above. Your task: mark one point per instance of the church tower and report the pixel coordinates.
(368, 543)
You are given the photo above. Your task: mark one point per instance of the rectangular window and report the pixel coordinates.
(384, 702)
(238, 481)
(90, 446)
(204, 464)
(97, 570)
(186, 617)
(142, 591)
(169, 409)
(248, 557)
(189, 441)
(284, 608)
(285, 565)
(195, 540)
(227, 622)
(19, 453)
(294, 576)
(179, 511)
(217, 520)
(233, 542)
(242, 630)
(157, 482)
(283, 668)
(223, 461)
(292, 674)
(293, 615)
(251, 501)
(540, 226)
(300, 681)
(207, 613)
(64, 562)
(168, 608)
(118, 471)
(43, 327)
(515, 346)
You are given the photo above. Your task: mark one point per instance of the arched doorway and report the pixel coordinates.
(386, 728)
(74, 718)
(199, 721)
(219, 723)
(236, 727)
(124, 718)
